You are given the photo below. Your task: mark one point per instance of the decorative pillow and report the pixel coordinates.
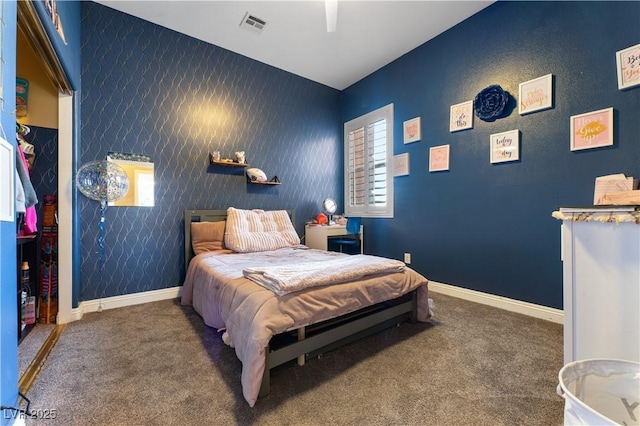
(258, 230)
(207, 236)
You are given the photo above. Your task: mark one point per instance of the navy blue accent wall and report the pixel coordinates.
(149, 90)
(66, 48)
(488, 227)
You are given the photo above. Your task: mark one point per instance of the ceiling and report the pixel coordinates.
(369, 35)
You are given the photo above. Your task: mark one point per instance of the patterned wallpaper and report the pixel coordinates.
(44, 175)
(151, 91)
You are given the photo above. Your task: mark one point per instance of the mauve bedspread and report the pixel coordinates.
(219, 292)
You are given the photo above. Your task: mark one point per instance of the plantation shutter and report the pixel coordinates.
(357, 187)
(368, 180)
(377, 159)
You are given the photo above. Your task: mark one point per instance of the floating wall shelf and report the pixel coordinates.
(226, 163)
(274, 181)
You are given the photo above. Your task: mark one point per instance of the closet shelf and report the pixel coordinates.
(23, 239)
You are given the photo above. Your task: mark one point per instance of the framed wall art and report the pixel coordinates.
(461, 116)
(439, 158)
(505, 146)
(401, 164)
(628, 66)
(412, 130)
(535, 95)
(592, 129)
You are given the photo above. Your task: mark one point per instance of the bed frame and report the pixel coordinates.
(206, 216)
(313, 340)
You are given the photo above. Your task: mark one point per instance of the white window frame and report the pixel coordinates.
(369, 210)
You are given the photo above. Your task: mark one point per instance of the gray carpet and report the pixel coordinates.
(157, 364)
(31, 344)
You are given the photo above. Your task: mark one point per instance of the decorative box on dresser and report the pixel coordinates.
(601, 274)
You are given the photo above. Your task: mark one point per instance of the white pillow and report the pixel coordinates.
(249, 231)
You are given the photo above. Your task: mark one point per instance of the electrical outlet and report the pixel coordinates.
(407, 258)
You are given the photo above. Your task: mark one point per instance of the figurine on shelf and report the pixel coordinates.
(240, 156)
(216, 156)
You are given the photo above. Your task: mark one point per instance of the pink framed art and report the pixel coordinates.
(592, 129)
(439, 158)
(412, 130)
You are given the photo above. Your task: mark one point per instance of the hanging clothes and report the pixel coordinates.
(29, 152)
(31, 199)
(27, 148)
(20, 198)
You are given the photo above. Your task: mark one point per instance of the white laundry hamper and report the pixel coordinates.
(600, 392)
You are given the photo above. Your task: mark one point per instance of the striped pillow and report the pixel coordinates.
(249, 231)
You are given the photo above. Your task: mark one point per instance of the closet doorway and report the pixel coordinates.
(49, 115)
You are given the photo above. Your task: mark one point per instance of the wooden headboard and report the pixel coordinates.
(206, 216)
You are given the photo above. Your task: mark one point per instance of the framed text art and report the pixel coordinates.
(461, 116)
(535, 95)
(412, 130)
(628, 65)
(505, 146)
(439, 158)
(592, 129)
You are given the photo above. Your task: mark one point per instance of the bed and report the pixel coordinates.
(277, 300)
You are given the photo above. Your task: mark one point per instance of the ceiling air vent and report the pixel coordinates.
(252, 23)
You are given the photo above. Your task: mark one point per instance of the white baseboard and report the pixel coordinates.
(525, 308)
(125, 300)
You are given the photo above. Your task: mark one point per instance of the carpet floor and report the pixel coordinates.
(158, 364)
(31, 344)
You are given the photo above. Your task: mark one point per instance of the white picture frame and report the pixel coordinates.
(439, 158)
(7, 185)
(411, 130)
(628, 67)
(401, 164)
(535, 95)
(504, 146)
(592, 129)
(461, 116)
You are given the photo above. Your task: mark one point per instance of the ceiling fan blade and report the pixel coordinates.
(331, 12)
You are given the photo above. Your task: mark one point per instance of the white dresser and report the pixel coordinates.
(601, 274)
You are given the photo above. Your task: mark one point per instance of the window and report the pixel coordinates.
(144, 188)
(368, 162)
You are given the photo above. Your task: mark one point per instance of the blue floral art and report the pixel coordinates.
(490, 103)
